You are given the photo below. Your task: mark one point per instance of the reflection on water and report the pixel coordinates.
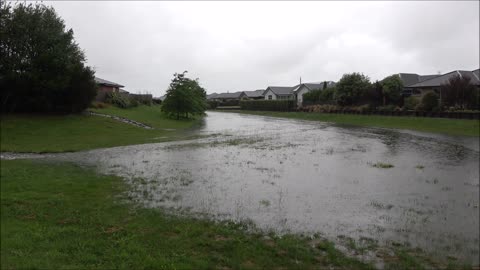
(299, 176)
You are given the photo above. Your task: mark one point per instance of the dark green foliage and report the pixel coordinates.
(429, 101)
(119, 100)
(374, 95)
(268, 105)
(320, 96)
(351, 88)
(411, 103)
(212, 104)
(459, 92)
(184, 96)
(392, 89)
(42, 68)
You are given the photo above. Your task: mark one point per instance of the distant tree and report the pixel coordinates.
(325, 84)
(351, 88)
(42, 69)
(459, 92)
(392, 87)
(184, 96)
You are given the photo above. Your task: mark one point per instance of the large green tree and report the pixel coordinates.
(184, 96)
(392, 87)
(42, 69)
(351, 88)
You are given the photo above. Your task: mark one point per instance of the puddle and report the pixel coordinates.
(308, 177)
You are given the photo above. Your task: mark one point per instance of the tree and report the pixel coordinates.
(184, 96)
(42, 68)
(459, 92)
(374, 95)
(392, 87)
(351, 88)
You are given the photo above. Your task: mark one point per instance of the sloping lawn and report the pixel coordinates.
(56, 133)
(454, 127)
(60, 216)
(150, 115)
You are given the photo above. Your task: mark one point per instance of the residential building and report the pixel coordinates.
(105, 87)
(435, 83)
(256, 94)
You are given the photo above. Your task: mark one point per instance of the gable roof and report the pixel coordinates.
(229, 95)
(281, 90)
(107, 83)
(409, 79)
(443, 79)
(476, 72)
(255, 93)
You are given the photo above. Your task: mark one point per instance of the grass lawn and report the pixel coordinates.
(53, 133)
(60, 216)
(150, 115)
(454, 127)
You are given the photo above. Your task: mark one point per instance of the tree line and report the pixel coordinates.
(356, 89)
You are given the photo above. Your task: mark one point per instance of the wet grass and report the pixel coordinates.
(455, 127)
(69, 133)
(62, 216)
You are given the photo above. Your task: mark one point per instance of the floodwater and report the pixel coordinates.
(311, 177)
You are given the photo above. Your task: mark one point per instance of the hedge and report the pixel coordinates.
(268, 105)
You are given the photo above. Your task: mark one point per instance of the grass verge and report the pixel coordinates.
(67, 133)
(60, 216)
(454, 127)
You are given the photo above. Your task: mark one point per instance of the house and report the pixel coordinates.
(435, 83)
(280, 92)
(411, 79)
(293, 93)
(105, 87)
(307, 87)
(222, 97)
(256, 94)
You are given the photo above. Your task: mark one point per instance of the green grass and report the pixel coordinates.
(150, 115)
(60, 216)
(57, 133)
(454, 127)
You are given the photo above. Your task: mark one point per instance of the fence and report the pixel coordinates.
(268, 105)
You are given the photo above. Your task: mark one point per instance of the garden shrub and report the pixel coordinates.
(429, 101)
(118, 100)
(411, 103)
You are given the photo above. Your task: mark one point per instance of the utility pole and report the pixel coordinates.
(300, 79)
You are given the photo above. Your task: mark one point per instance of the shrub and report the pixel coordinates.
(212, 104)
(267, 105)
(118, 100)
(387, 108)
(411, 103)
(429, 101)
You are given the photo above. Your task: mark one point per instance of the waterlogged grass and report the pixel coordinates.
(382, 165)
(60, 216)
(67, 133)
(454, 127)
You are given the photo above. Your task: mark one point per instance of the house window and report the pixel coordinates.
(269, 97)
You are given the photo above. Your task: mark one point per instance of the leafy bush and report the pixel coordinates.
(429, 101)
(212, 104)
(351, 88)
(323, 96)
(118, 100)
(411, 103)
(267, 105)
(387, 108)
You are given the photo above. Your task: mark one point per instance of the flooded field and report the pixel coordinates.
(309, 177)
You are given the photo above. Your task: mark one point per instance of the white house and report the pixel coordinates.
(293, 93)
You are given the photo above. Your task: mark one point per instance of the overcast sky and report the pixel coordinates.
(237, 46)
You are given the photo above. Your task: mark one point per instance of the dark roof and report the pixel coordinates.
(443, 79)
(281, 90)
(123, 91)
(476, 72)
(229, 95)
(412, 78)
(213, 95)
(256, 93)
(107, 83)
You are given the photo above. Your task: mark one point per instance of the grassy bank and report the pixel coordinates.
(54, 133)
(62, 216)
(454, 127)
